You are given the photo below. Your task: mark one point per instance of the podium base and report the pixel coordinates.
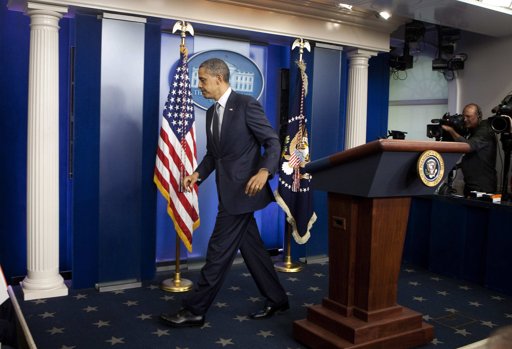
(173, 285)
(327, 329)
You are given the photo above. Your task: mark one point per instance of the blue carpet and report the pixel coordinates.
(460, 312)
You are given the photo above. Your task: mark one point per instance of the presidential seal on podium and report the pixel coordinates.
(430, 168)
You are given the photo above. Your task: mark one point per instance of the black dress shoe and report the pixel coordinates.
(183, 318)
(269, 310)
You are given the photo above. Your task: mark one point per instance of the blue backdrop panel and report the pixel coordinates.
(65, 184)
(150, 130)
(325, 129)
(86, 150)
(121, 125)
(14, 48)
(378, 97)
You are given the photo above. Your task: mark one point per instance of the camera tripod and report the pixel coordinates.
(506, 144)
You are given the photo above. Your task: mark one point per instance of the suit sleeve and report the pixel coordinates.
(265, 135)
(206, 166)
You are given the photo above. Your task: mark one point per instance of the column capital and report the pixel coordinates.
(359, 52)
(33, 6)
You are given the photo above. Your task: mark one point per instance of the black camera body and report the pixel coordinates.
(501, 121)
(456, 121)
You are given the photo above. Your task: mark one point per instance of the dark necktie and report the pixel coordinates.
(215, 126)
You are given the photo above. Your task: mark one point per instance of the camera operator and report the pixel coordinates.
(479, 165)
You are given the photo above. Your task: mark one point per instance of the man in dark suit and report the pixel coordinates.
(236, 130)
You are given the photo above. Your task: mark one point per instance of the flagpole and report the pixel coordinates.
(177, 284)
(287, 266)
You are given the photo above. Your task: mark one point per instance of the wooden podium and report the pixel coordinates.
(369, 197)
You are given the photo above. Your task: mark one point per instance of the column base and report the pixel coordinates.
(31, 294)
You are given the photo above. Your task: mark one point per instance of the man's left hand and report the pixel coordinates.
(257, 182)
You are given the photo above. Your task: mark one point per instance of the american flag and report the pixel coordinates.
(177, 155)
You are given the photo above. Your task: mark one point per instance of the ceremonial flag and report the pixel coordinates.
(293, 193)
(177, 155)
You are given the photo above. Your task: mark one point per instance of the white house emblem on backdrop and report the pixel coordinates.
(245, 76)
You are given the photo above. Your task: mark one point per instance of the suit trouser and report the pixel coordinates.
(231, 233)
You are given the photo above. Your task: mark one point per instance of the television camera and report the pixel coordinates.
(501, 123)
(435, 130)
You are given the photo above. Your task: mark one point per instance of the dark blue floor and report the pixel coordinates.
(460, 312)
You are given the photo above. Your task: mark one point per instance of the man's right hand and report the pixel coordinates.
(189, 181)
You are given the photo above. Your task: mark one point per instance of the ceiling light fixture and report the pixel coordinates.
(385, 14)
(345, 6)
(495, 5)
(499, 3)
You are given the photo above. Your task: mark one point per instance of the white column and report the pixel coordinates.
(355, 133)
(43, 279)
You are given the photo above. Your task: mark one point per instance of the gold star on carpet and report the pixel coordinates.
(463, 332)
(115, 340)
(89, 309)
(161, 333)
(224, 342)
(265, 334)
(80, 296)
(419, 299)
(220, 305)
(489, 324)
(55, 330)
(241, 318)
(144, 316)
(436, 341)
(102, 323)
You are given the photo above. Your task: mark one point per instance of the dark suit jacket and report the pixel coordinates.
(245, 129)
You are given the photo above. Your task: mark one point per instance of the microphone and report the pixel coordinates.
(496, 109)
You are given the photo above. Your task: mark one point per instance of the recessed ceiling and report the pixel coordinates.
(468, 15)
(463, 14)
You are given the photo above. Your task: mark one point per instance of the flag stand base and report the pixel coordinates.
(288, 267)
(176, 285)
